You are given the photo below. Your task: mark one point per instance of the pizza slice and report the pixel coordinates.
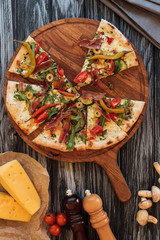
(67, 131)
(102, 131)
(32, 105)
(34, 62)
(124, 112)
(109, 53)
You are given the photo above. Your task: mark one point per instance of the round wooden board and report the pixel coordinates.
(60, 40)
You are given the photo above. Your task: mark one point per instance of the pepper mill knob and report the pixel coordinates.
(93, 205)
(73, 208)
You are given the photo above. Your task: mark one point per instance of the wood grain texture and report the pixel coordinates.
(60, 41)
(135, 158)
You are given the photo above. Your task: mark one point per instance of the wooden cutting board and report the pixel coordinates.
(60, 40)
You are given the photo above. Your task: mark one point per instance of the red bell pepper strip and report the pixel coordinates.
(42, 117)
(84, 132)
(115, 102)
(81, 77)
(41, 58)
(109, 40)
(67, 94)
(74, 105)
(60, 71)
(43, 108)
(39, 43)
(111, 69)
(96, 130)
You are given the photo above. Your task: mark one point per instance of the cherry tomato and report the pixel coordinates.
(49, 218)
(55, 229)
(96, 130)
(109, 40)
(100, 33)
(81, 77)
(90, 138)
(113, 116)
(40, 118)
(115, 102)
(61, 219)
(111, 69)
(42, 58)
(60, 71)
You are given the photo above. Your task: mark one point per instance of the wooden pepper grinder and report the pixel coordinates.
(73, 207)
(92, 204)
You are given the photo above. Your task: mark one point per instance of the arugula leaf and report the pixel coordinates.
(63, 100)
(118, 65)
(102, 121)
(44, 100)
(50, 68)
(42, 76)
(125, 105)
(78, 117)
(91, 61)
(33, 46)
(20, 97)
(119, 122)
(83, 137)
(30, 89)
(71, 142)
(52, 111)
(96, 35)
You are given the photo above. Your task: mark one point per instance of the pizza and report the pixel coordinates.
(67, 131)
(96, 122)
(109, 52)
(73, 120)
(32, 105)
(124, 112)
(34, 62)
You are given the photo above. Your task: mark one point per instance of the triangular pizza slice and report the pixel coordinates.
(124, 112)
(102, 132)
(109, 53)
(32, 105)
(34, 62)
(67, 131)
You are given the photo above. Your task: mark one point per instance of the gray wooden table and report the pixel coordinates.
(17, 20)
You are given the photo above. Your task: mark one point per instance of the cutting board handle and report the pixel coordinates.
(108, 161)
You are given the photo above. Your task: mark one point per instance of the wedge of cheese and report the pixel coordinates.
(17, 183)
(11, 210)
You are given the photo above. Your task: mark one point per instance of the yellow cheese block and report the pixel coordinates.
(11, 210)
(17, 183)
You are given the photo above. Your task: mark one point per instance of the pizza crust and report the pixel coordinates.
(44, 139)
(136, 112)
(19, 109)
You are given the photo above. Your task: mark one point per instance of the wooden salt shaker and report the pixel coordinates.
(73, 208)
(92, 204)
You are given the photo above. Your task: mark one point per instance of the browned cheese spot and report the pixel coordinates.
(90, 144)
(111, 26)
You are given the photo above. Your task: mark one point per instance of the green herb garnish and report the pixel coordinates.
(71, 142)
(33, 46)
(102, 121)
